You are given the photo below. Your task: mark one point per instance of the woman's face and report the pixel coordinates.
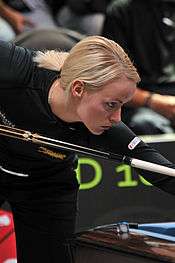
(101, 108)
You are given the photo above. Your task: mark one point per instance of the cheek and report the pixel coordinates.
(97, 111)
(90, 111)
(84, 110)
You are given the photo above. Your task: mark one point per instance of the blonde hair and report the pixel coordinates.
(95, 60)
(50, 59)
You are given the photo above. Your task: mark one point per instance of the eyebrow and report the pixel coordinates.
(117, 100)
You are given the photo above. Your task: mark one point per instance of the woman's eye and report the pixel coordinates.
(112, 105)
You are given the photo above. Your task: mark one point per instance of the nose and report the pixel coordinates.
(115, 116)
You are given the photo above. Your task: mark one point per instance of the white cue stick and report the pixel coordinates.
(152, 167)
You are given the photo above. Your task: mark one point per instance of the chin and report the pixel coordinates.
(95, 132)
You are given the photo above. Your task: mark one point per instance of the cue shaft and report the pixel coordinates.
(152, 167)
(42, 140)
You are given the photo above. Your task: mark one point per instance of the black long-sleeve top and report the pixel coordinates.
(24, 104)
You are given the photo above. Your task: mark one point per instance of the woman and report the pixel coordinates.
(75, 97)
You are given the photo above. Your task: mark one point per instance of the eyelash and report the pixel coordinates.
(112, 105)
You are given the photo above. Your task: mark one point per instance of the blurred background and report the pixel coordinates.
(109, 192)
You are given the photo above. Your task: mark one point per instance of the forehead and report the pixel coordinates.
(118, 89)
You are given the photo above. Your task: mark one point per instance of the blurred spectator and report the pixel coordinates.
(85, 16)
(146, 29)
(25, 15)
(6, 31)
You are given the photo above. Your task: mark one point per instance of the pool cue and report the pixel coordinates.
(42, 140)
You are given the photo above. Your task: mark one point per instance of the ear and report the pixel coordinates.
(77, 88)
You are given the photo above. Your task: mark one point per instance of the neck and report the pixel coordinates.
(60, 103)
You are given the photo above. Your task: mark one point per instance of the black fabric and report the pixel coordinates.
(146, 30)
(27, 108)
(88, 6)
(55, 5)
(44, 217)
(18, 5)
